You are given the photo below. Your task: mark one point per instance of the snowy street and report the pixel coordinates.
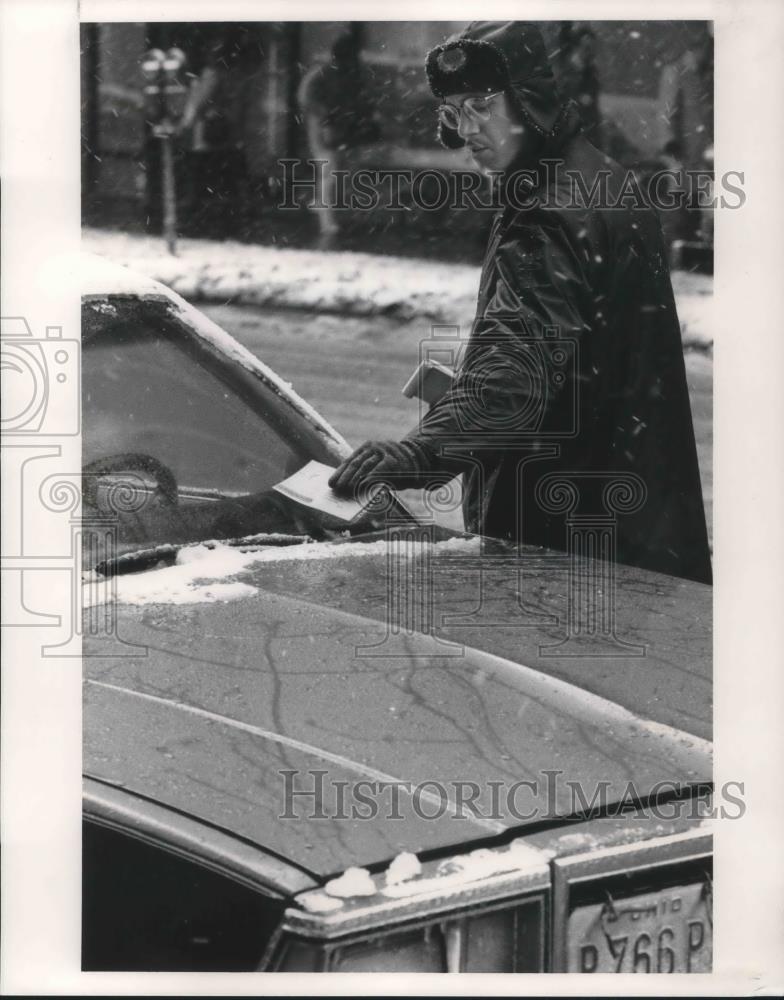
(356, 284)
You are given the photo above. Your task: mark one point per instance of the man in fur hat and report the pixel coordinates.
(574, 365)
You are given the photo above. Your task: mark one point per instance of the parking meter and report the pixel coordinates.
(174, 90)
(165, 95)
(152, 67)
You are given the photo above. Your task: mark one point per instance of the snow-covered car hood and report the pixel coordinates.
(213, 702)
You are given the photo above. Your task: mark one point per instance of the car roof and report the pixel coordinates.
(210, 706)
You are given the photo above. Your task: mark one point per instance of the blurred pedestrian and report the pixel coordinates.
(339, 117)
(574, 367)
(578, 76)
(215, 126)
(686, 96)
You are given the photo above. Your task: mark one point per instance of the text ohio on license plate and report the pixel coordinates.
(665, 931)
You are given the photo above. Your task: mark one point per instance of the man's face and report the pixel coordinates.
(494, 141)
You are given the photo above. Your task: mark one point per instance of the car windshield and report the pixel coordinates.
(176, 447)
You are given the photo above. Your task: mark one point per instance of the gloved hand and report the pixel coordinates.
(405, 462)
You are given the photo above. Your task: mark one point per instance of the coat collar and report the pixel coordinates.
(566, 126)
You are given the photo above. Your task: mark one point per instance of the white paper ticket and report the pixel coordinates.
(310, 486)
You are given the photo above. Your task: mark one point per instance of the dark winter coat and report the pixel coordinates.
(575, 367)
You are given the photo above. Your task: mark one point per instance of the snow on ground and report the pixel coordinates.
(205, 575)
(349, 283)
(694, 297)
(355, 283)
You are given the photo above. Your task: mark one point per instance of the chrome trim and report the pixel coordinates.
(543, 929)
(662, 852)
(455, 927)
(455, 942)
(381, 912)
(187, 837)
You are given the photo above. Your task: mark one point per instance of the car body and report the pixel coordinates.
(391, 747)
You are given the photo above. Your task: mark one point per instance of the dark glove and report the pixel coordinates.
(406, 464)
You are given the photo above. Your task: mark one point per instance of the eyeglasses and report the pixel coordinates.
(477, 108)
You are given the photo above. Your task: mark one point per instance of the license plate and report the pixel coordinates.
(665, 931)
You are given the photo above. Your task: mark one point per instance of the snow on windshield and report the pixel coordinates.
(204, 575)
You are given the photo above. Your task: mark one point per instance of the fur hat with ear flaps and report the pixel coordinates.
(498, 55)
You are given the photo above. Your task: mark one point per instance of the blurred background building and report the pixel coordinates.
(255, 90)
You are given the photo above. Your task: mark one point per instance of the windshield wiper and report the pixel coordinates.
(166, 554)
